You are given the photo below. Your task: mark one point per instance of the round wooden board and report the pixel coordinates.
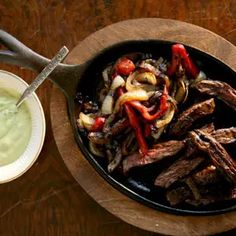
(103, 193)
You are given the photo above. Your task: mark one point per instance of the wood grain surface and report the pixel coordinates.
(47, 200)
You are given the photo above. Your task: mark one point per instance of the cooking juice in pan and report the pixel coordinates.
(15, 127)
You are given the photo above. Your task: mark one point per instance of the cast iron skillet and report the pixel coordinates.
(74, 78)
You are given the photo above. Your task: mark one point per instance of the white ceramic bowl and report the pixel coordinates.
(26, 160)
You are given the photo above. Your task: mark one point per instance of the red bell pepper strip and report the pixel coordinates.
(147, 130)
(164, 105)
(134, 122)
(179, 54)
(124, 66)
(138, 131)
(98, 124)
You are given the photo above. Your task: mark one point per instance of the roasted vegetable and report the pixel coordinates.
(164, 105)
(180, 56)
(135, 124)
(124, 66)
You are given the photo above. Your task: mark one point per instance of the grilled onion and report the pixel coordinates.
(108, 102)
(133, 84)
(117, 82)
(85, 121)
(182, 91)
(135, 95)
(146, 77)
(107, 105)
(95, 149)
(166, 119)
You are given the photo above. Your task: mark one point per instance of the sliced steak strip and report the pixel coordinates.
(98, 138)
(178, 195)
(210, 186)
(116, 161)
(119, 126)
(225, 136)
(185, 165)
(128, 144)
(221, 90)
(219, 156)
(202, 188)
(208, 128)
(183, 194)
(210, 200)
(187, 118)
(161, 151)
(208, 175)
(179, 169)
(233, 192)
(203, 178)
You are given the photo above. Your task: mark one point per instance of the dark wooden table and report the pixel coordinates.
(47, 200)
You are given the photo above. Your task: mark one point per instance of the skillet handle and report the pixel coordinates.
(19, 54)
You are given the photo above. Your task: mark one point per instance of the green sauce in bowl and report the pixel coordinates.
(15, 127)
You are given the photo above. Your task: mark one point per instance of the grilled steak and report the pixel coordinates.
(116, 161)
(184, 194)
(221, 90)
(203, 179)
(178, 195)
(202, 188)
(98, 138)
(208, 128)
(184, 166)
(225, 136)
(171, 148)
(128, 144)
(161, 150)
(119, 127)
(179, 169)
(208, 175)
(217, 153)
(210, 199)
(104, 137)
(186, 119)
(209, 186)
(233, 192)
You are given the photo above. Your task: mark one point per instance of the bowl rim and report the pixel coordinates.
(35, 144)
